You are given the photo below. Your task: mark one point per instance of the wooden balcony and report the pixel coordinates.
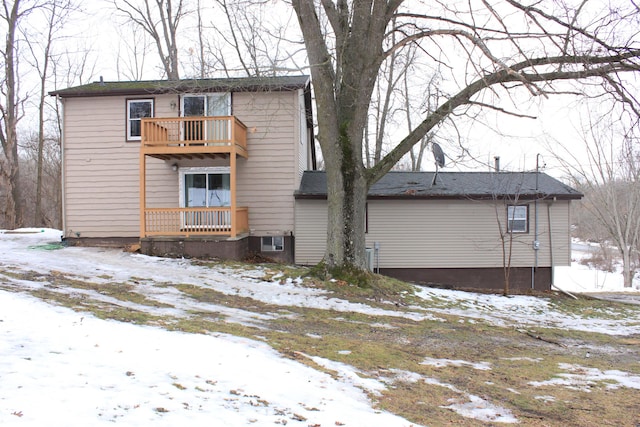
(187, 222)
(186, 138)
(193, 137)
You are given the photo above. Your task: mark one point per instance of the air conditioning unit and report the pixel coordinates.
(370, 258)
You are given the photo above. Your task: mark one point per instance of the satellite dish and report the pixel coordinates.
(438, 154)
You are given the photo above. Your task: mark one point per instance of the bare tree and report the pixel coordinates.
(40, 45)
(160, 19)
(399, 100)
(491, 51)
(49, 167)
(12, 111)
(505, 205)
(254, 41)
(72, 67)
(429, 102)
(610, 179)
(132, 54)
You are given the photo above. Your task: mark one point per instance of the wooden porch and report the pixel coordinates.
(193, 137)
(179, 138)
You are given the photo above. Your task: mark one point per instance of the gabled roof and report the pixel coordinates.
(147, 87)
(450, 185)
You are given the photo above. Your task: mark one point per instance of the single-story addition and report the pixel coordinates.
(462, 229)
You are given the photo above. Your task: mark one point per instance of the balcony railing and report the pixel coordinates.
(219, 131)
(195, 221)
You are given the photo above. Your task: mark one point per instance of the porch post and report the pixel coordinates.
(232, 183)
(143, 193)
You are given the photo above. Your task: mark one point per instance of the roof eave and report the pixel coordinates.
(182, 86)
(513, 197)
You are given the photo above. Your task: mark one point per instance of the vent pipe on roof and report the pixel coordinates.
(496, 162)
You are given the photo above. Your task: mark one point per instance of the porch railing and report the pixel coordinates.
(195, 221)
(194, 131)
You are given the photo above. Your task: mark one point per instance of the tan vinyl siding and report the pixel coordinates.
(101, 187)
(162, 184)
(310, 231)
(101, 169)
(440, 234)
(268, 178)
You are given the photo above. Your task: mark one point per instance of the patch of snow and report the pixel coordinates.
(351, 374)
(400, 375)
(122, 267)
(482, 410)
(526, 359)
(520, 310)
(581, 278)
(62, 368)
(469, 406)
(583, 378)
(441, 363)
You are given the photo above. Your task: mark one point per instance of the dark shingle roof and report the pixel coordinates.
(246, 84)
(450, 185)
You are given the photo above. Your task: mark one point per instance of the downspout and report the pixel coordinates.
(549, 203)
(536, 243)
(63, 180)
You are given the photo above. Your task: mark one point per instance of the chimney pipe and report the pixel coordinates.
(496, 161)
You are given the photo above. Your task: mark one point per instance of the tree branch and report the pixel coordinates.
(609, 64)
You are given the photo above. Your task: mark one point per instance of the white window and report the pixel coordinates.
(205, 187)
(137, 109)
(272, 244)
(518, 219)
(209, 105)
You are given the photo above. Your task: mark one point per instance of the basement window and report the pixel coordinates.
(272, 244)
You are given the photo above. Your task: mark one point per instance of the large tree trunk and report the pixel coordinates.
(9, 138)
(346, 198)
(627, 271)
(15, 205)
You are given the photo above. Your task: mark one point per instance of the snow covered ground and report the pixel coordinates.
(581, 278)
(63, 368)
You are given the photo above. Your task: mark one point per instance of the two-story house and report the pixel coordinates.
(222, 168)
(203, 168)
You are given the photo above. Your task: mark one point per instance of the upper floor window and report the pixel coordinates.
(518, 218)
(209, 105)
(137, 109)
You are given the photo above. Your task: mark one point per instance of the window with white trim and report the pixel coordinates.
(137, 109)
(272, 244)
(518, 218)
(205, 187)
